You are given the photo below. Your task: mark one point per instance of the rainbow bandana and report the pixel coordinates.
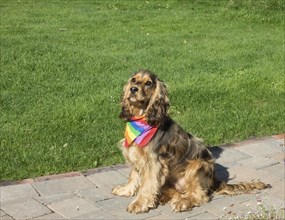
(139, 132)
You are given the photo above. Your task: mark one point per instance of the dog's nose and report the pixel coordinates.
(134, 89)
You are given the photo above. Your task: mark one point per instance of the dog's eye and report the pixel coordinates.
(148, 83)
(133, 80)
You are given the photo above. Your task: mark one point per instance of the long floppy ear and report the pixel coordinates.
(125, 105)
(157, 110)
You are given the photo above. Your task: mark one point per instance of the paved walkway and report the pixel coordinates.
(87, 195)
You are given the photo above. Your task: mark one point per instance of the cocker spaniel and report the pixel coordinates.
(169, 165)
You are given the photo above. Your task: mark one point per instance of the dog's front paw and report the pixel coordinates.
(122, 191)
(181, 206)
(137, 207)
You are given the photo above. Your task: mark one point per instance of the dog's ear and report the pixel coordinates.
(157, 110)
(125, 113)
(125, 105)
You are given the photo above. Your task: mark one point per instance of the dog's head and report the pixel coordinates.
(145, 94)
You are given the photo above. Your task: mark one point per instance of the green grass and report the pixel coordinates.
(63, 65)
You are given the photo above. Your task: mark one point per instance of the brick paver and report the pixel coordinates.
(95, 194)
(48, 199)
(111, 179)
(63, 185)
(88, 195)
(52, 216)
(16, 192)
(73, 207)
(26, 209)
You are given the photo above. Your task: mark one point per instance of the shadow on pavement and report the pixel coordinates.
(221, 171)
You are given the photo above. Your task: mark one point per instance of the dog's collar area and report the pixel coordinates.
(138, 132)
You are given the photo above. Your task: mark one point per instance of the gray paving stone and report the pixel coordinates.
(15, 192)
(166, 213)
(241, 209)
(26, 209)
(277, 170)
(259, 162)
(96, 194)
(63, 185)
(221, 207)
(117, 207)
(176, 216)
(111, 179)
(279, 157)
(230, 155)
(6, 217)
(217, 197)
(238, 206)
(46, 200)
(162, 217)
(243, 197)
(276, 196)
(51, 216)
(2, 213)
(100, 214)
(246, 174)
(73, 207)
(125, 171)
(275, 203)
(261, 148)
(205, 215)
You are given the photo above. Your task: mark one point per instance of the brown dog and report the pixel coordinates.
(168, 164)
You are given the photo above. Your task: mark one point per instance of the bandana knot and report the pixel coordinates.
(139, 132)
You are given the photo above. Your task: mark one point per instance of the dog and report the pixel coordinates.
(168, 164)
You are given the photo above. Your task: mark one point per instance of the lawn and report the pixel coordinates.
(63, 65)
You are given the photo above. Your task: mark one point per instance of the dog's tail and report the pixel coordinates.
(222, 188)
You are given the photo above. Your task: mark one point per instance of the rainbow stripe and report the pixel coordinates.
(138, 132)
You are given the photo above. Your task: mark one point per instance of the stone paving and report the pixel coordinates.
(87, 195)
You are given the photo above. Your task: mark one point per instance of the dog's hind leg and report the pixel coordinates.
(195, 187)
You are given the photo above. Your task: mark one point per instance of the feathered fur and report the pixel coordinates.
(175, 166)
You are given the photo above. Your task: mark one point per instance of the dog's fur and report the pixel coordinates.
(175, 166)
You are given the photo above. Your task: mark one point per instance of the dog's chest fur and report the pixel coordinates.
(137, 156)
